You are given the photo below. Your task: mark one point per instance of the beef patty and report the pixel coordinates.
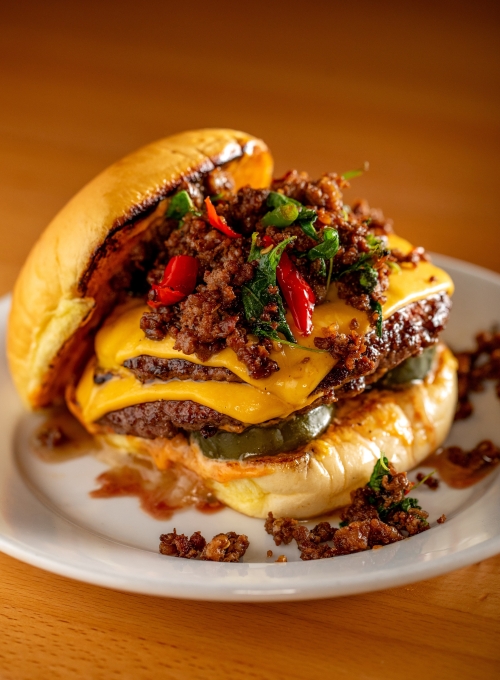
(360, 364)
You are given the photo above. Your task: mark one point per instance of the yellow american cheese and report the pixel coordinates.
(253, 401)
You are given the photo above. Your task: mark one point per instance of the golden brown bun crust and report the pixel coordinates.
(63, 292)
(407, 425)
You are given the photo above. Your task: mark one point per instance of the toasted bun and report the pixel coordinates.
(64, 288)
(406, 424)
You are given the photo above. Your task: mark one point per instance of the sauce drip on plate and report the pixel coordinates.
(461, 469)
(160, 493)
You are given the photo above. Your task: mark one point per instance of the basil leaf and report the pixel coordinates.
(394, 267)
(328, 248)
(368, 278)
(380, 470)
(282, 216)
(306, 216)
(377, 307)
(274, 200)
(408, 503)
(306, 219)
(179, 205)
(254, 253)
(308, 229)
(377, 247)
(256, 294)
(405, 505)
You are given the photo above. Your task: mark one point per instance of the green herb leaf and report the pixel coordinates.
(306, 217)
(254, 253)
(394, 267)
(377, 247)
(274, 200)
(368, 278)
(329, 279)
(424, 479)
(308, 229)
(322, 267)
(351, 174)
(282, 216)
(377, 307)
(179, 205)
(256, 294)
(380, 470)
(408, 503)
(405, 505)
(328, 248)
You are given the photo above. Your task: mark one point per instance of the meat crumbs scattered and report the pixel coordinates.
(179, 545)
(475, 367)
(228, 547)
(380, 513)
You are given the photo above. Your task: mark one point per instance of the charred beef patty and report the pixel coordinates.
(147, 368)
(405, 334)
(164, 418)
(364, 360)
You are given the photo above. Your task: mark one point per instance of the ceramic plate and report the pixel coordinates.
(48, 519)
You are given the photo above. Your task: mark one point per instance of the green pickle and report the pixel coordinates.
(267, 441)
(412, 369)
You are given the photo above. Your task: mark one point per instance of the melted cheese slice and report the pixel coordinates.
(253, 401)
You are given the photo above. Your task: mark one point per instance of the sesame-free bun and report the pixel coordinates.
(406, 424)
(64, 288)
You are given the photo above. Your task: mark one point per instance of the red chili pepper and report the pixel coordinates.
(298, 294)
(179, 279)
(217, 221)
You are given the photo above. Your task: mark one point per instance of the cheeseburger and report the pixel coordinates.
(261, 333)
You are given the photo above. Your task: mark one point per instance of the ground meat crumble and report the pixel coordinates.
(375, 517)
(229, 547)
(212, 317)
(475, 367)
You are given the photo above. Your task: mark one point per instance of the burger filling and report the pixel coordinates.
(250, 314)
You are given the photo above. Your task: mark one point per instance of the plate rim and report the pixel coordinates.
(321, 588)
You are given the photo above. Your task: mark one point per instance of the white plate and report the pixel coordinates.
(48, 519)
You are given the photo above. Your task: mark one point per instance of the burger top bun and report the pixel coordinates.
(64, 288)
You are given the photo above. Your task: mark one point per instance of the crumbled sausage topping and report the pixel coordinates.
(212, 317)
(475, 367)
(179, 545)
(380, 513)
(228, 547)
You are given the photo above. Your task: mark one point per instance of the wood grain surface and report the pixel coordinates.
(413, 89)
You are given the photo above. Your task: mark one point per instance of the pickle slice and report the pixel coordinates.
(412, 369)
(267, 441)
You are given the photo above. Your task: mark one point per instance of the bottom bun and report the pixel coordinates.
(405, 424)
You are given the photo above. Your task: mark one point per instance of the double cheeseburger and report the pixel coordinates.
(195, 312)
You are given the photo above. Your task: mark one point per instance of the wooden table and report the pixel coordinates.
(413, 88)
